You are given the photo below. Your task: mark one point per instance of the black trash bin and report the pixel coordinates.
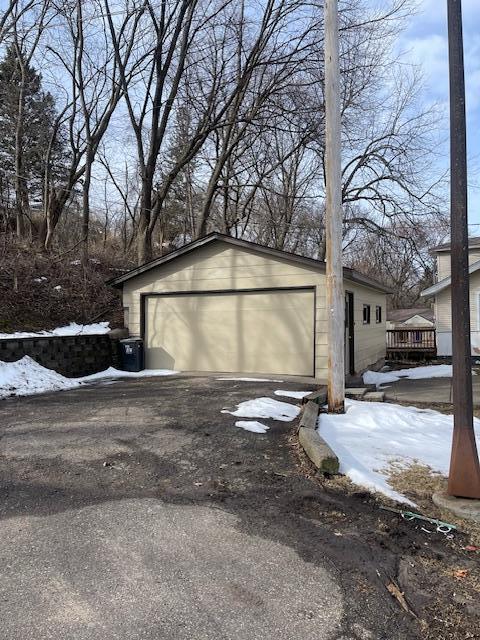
(131, 354)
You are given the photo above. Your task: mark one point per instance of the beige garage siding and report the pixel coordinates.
(370, 339)
(221, 266)
(253, 332)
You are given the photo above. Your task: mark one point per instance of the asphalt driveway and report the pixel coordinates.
(137, 510)
(427, 391)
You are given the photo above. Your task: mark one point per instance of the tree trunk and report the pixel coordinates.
(56, 204)
(144, 230)
(86, 209)
(19, 188)
(144, 244)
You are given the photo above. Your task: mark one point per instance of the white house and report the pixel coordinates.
(441, 294)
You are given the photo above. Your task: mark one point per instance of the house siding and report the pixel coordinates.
(443, 262)
(219, 266)
(443, 315)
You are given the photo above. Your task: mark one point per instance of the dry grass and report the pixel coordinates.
(418, 482)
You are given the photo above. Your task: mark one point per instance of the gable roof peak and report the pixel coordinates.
(349, 274)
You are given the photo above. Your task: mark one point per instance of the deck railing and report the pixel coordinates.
(411, 340)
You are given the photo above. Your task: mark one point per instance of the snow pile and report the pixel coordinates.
(252, 425)
(371, 435)
(72, 329)
(26, 377)
(415, 373)
(292, 394)
(112, 373)
(250, 379)
(266, 408)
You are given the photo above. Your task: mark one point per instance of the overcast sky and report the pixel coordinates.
(425, 41)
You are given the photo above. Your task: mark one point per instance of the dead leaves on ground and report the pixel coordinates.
(460, 574)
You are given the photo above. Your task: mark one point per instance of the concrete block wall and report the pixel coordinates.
(71, 356)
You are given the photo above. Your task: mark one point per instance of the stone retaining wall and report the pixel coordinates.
(71, 356)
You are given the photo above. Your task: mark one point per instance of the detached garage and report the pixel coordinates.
(225, 305)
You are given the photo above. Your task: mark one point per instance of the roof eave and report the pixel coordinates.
(349, 274)
(446, 282)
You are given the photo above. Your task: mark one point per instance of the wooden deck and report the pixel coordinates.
(411, 341)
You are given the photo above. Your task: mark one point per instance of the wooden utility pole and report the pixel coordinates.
(464, 476)
(334, 215)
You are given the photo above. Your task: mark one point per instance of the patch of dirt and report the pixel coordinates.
(419, 483)
(436, 576)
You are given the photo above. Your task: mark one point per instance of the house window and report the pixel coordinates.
(378, 314)
(366, 314)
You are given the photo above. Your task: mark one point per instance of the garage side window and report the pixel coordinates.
(378, 314)
(126, 314)
(366, 314)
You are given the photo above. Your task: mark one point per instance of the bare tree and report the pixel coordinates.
(88, 60)
(271, 67)
(14, 11)
(27, 27)
(192, 115)
(399, 257)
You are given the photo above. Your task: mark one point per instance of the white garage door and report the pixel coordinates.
(251, 332)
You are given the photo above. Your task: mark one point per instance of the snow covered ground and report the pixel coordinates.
(72, 329)
(26, 377)
(415, 373)
(266, 408)
(252, 425)
(250, 379)
(372, 435)
(292, 394)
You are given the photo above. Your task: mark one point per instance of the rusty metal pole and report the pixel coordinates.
(335, 302)
(464, 476)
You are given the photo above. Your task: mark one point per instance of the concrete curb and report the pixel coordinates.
(314, 446)
(461, 507)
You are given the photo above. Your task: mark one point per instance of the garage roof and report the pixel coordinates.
(348, 274)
